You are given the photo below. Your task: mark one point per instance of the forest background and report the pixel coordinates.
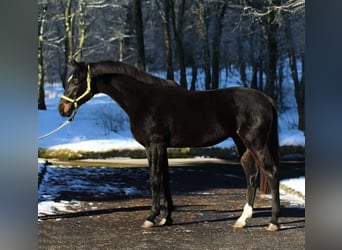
(262, 40)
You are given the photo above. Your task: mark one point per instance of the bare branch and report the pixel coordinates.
(291, 6)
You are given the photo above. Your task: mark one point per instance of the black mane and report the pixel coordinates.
(114, 67)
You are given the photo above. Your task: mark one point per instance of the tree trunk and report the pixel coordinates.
(242, 63)
(68, 20)
(253, 60)
(81, 29)
(299, 85)
(194, 75)
(41, 92)
(178, 34)
(300, 97)
(129, 28)
(167, 40)
(254, 80)
(279, 91)
(261, 78)
(272, 50)
(202, 31)
(216, 45)
(139, 34)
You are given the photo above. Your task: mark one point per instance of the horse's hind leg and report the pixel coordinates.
(251, 172)
(269, 164)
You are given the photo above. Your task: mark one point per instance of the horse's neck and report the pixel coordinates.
(125, 91)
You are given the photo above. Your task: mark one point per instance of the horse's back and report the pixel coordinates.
(200, 118)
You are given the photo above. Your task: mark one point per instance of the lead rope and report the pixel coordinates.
(71, 118)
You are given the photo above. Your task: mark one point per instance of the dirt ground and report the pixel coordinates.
(208, 199)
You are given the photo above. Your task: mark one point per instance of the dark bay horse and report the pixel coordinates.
(163, 115)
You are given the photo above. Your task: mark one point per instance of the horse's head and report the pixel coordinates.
(77, 89)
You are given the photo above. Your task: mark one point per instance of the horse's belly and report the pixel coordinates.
(197, 137)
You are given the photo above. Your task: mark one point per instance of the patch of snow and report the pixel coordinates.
(52, 207)
(297, 184)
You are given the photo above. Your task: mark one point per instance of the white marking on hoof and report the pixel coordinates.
(246, 214)
(162, 222)
(147, 224)
(272, 227)
(165, 222)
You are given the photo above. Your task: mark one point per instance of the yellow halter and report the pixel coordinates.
(86, 92)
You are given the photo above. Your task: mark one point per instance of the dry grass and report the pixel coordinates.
(212, 152)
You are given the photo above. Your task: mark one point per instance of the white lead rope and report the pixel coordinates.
(61, 126)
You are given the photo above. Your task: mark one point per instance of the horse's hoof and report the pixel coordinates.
(272, 227)
(239, 224)
(165, 222)
(147, 224)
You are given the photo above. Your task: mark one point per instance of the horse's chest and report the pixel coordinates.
(147, 129)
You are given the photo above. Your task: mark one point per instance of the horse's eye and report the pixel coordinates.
(75, 81)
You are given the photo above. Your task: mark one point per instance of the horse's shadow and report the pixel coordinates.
(286, 212)
(93, 212)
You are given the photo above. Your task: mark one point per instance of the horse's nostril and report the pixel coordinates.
(64, 108)
(61, 108)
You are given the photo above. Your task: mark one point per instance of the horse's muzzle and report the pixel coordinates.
(65, 108)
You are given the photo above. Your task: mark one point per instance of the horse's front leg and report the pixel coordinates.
(166, 220)
(156, 154)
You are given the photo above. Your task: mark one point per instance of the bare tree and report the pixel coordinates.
(41, 92)
(220, 9)
(68, 25)
(201, 25)
(255, 57)
(270, 29)
(139, 34)
(299, 82)
(81, 28)
(270, 17)
(74, 24)
(165, 11)
(178, 36)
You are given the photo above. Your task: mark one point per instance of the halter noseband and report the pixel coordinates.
(86, 92)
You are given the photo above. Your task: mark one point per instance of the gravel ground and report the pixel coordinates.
(208, 198)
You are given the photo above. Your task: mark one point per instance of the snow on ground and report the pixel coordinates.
(52, 207)
(101, 125)
(297, 184)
